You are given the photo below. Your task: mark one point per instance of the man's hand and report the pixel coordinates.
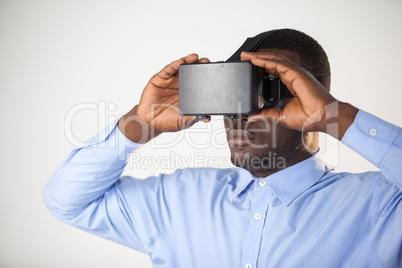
(312, 107)
(158, 110)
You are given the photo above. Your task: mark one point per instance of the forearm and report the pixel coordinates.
(87, 173)
(87, 191)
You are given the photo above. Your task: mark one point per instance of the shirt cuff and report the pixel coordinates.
(111, 145)
(371, 137)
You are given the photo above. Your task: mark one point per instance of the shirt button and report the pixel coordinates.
(257, 216)
(262, 183)
(373, 132)
(249, 265)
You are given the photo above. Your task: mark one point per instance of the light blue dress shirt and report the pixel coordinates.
(306, 215)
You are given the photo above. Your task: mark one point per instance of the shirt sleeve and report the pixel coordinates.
(379, 142)
(86, 191)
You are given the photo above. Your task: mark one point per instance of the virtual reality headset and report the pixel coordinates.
(230, 88)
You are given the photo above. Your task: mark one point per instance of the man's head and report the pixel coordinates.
(264, 146)
(312, 56)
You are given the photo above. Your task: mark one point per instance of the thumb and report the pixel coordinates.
(188, 121)
(207, 120)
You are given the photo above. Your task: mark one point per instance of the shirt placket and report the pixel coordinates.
(259, 209)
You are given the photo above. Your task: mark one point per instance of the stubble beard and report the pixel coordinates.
(272, 158)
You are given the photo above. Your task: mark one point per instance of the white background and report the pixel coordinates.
(55, 55)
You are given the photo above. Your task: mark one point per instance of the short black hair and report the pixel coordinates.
(312, 55)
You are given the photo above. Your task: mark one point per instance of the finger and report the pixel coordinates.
(299, 81)
(207, 120)
(247, 56)
(165, 84)
(171, 69)
(279, 63)
(272, 114)
(188, 121)
(287, 72)
(204, 60)
(275, 64)
(191, 58)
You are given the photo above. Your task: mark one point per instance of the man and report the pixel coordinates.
(298, 213)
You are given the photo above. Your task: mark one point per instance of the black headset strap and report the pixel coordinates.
(285, 93)
(250, 45)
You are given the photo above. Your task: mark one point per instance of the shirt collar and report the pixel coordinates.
(291, 182)
(288, 183)
(244, 179)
